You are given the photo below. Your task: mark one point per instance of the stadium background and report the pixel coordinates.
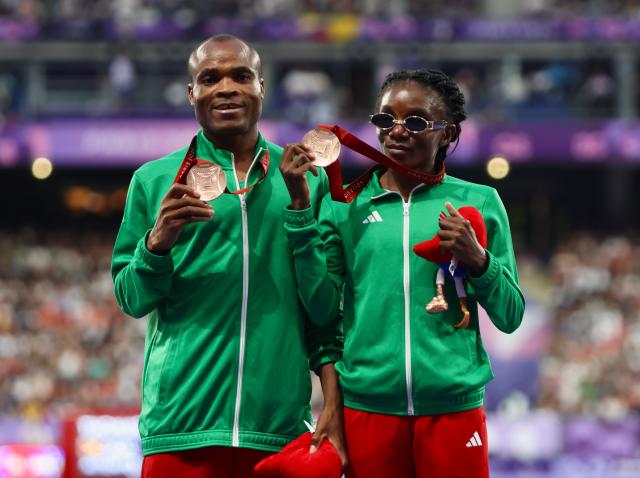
(95, 88)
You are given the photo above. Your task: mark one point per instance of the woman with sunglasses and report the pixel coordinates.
(413, 383)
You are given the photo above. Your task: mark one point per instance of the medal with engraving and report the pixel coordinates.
(324, 145)
(207, 179)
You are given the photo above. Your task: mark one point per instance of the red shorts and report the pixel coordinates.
(209, 462)
(451, 445)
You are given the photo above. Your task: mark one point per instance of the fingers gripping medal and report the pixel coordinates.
(207, 179)
(324, 145)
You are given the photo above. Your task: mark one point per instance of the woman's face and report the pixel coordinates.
(414, 150)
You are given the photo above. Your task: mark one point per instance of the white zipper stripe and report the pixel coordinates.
(235, 440)
(407, 292)
(406, 223)
(407, 304)
(235, 436)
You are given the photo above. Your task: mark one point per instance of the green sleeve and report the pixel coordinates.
(317, 290)
(141, 279)
(497, 288)
(324, 343)
(319, 261)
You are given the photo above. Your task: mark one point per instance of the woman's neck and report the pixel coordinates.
(398, 182)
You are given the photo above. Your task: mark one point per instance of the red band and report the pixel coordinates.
(188, 162)
(348, 194)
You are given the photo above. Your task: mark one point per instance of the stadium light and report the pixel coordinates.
(41, 168)
(498, 167)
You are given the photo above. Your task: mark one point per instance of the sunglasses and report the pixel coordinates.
(413, 124)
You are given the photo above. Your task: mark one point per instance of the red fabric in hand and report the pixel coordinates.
(430, 250)
(295, 461)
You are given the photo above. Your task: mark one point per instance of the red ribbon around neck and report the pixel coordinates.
(348, 194)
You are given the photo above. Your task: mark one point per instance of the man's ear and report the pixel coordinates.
(192, 101)
(262, 88)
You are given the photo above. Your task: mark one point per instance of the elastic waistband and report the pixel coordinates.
(432, 406)
(186, 441)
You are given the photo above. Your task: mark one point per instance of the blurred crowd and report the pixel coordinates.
(190, 11)
(186, 12)
(129, 83)
(493, 93)
(64, 343)
(536, 90)
(575, 8)
(312, 93)
(592, 366)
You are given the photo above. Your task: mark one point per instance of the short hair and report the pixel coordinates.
(449, 91)
(221, 38)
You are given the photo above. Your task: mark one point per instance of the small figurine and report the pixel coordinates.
(431, 251)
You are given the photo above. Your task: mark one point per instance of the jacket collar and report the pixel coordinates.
(376, 191)
(205, 149)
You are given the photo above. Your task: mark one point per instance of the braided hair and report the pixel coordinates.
(449, 92)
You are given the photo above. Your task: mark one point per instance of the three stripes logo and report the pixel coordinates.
(474, 441)
(373, 217)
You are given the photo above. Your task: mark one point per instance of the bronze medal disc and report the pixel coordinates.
(324, 145)
(207, 179)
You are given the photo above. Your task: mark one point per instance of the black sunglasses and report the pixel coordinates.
(413, 124)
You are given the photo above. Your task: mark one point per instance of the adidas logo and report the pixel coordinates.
(474, 441)
(373, 217)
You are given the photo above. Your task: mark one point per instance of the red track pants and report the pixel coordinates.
(209, 462)
(432, 446)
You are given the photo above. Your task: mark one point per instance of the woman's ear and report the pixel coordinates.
(449, 133)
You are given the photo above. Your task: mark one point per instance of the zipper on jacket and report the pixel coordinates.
(406, 280)
(407, 303)
(235, 435)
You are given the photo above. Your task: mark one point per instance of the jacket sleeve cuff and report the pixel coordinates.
(329, 357)
(297, 219)
(158, 263)
(489, 276)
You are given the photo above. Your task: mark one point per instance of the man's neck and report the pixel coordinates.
(242, 146)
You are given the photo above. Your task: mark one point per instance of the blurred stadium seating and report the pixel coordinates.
(99, 87)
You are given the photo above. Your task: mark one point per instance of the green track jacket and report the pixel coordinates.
(228, 346)
(398, 359)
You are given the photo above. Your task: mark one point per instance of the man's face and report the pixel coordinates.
(413, 150)
(227, 90)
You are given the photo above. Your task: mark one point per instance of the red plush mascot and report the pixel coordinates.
(431, 251)
(295, 461)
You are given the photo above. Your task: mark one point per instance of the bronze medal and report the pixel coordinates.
(207, 179)
(324, 145)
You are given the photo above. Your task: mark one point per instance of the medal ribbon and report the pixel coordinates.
(190, 161)
(348, 194)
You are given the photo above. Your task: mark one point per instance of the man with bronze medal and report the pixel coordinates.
(228, 348)
(412, 378)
